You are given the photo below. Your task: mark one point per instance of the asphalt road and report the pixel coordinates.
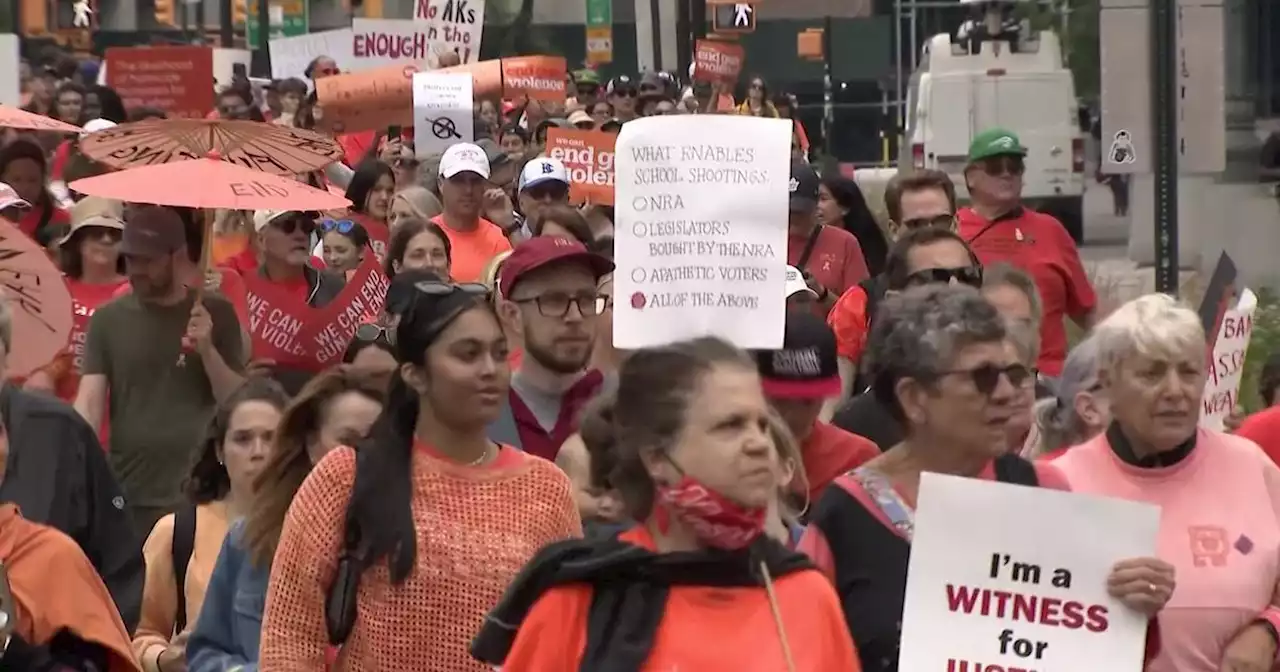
(1106, 236)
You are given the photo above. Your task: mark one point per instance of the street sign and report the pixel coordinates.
(599, 32)
(289, 18)
(1127, 142)
(739, 17)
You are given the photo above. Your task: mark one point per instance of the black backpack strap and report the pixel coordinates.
(808, 248)
(1013, 469)
(184, 544)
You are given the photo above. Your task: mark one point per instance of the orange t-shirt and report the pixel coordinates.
(472, 250)
(702, 628)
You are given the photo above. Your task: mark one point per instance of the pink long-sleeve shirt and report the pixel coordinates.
(1219, 527)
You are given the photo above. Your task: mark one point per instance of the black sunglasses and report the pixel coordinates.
(998, 166)
(986, 377)
(288, 226)
(936, 222)
(968, 275)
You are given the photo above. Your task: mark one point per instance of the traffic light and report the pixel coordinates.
(166, 12)
(240, 12)
(736, 18)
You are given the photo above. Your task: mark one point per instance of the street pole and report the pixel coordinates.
(227, 36)
(1164, 113)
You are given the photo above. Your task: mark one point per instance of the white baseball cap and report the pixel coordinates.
(10, 198)
(464, 157)
(543, 169)
(95, 125)
(796, 283)
(263, 218)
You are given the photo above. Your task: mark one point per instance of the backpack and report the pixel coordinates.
(184, 544)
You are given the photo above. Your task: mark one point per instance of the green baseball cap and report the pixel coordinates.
(995, 142)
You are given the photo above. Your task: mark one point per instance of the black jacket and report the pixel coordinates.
(58, 476)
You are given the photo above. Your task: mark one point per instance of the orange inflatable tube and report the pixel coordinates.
(376, 99)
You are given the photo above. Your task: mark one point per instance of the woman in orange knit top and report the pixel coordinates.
(698, 585)
(391, 556)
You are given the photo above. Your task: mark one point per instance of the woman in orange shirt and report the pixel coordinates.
(697, 585)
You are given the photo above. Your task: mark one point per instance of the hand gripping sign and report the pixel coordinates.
(287, 330)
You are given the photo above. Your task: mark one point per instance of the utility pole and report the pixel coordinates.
(1164, 124)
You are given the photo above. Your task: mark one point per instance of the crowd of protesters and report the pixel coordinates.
(485, 481)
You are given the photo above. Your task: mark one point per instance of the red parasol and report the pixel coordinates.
(38, 299)
(16, 117)
(269, 148)
(208, 183)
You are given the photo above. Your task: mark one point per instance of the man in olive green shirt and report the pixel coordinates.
(159, 358)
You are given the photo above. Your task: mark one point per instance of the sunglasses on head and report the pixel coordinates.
(987, 377)
(370, 331)
(999, 166)
(440, 288)
(343, 226)
(968, 275)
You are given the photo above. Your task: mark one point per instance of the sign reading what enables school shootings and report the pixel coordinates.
(701, 242)
(1008, 578)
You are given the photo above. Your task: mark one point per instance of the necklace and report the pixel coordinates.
(484, 456)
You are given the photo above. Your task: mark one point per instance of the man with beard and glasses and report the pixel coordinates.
(164, 355)
(922, 256)
(552, 305)
(284, 248)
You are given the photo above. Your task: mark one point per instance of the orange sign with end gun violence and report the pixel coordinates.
(588, 156)
(538, 77)
(718, 62)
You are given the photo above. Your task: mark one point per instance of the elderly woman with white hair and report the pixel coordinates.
(1076, 411)
(944, 366)
(1219, 495)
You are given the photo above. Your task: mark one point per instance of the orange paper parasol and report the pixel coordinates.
(208, 183)
(269, 148)
(16, 117)
(38, 299)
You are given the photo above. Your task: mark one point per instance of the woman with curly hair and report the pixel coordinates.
(335, 408)
(183, 546)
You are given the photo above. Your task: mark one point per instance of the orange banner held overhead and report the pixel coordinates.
(375, 99)
(588, 156)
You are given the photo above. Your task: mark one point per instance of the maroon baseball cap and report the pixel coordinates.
(544, 251)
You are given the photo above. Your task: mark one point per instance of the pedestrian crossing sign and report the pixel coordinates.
(739, 17)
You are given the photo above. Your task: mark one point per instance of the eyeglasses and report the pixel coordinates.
(986, 377)
(624, 93)
(555, 304)
(103, 232)
(291, 224)
(343, 226)
(968, 275)
(587, 90)
(934, 222)
(999, 166)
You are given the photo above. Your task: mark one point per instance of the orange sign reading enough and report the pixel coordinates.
(717, 62)
(178, 80)
(588, 156)
(538, 77)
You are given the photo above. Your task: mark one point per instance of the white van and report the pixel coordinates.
(956, 94)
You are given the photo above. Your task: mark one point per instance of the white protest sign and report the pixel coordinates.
(441, 112)
(999, 580)
(290, 56)
(225, 62)
(10, 87)
(379, 42)
(452, 25)
(1226, 367)
(701, 241)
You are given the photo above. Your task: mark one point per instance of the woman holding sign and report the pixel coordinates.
(698, 584)
(1219, 494)
(945, 367)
